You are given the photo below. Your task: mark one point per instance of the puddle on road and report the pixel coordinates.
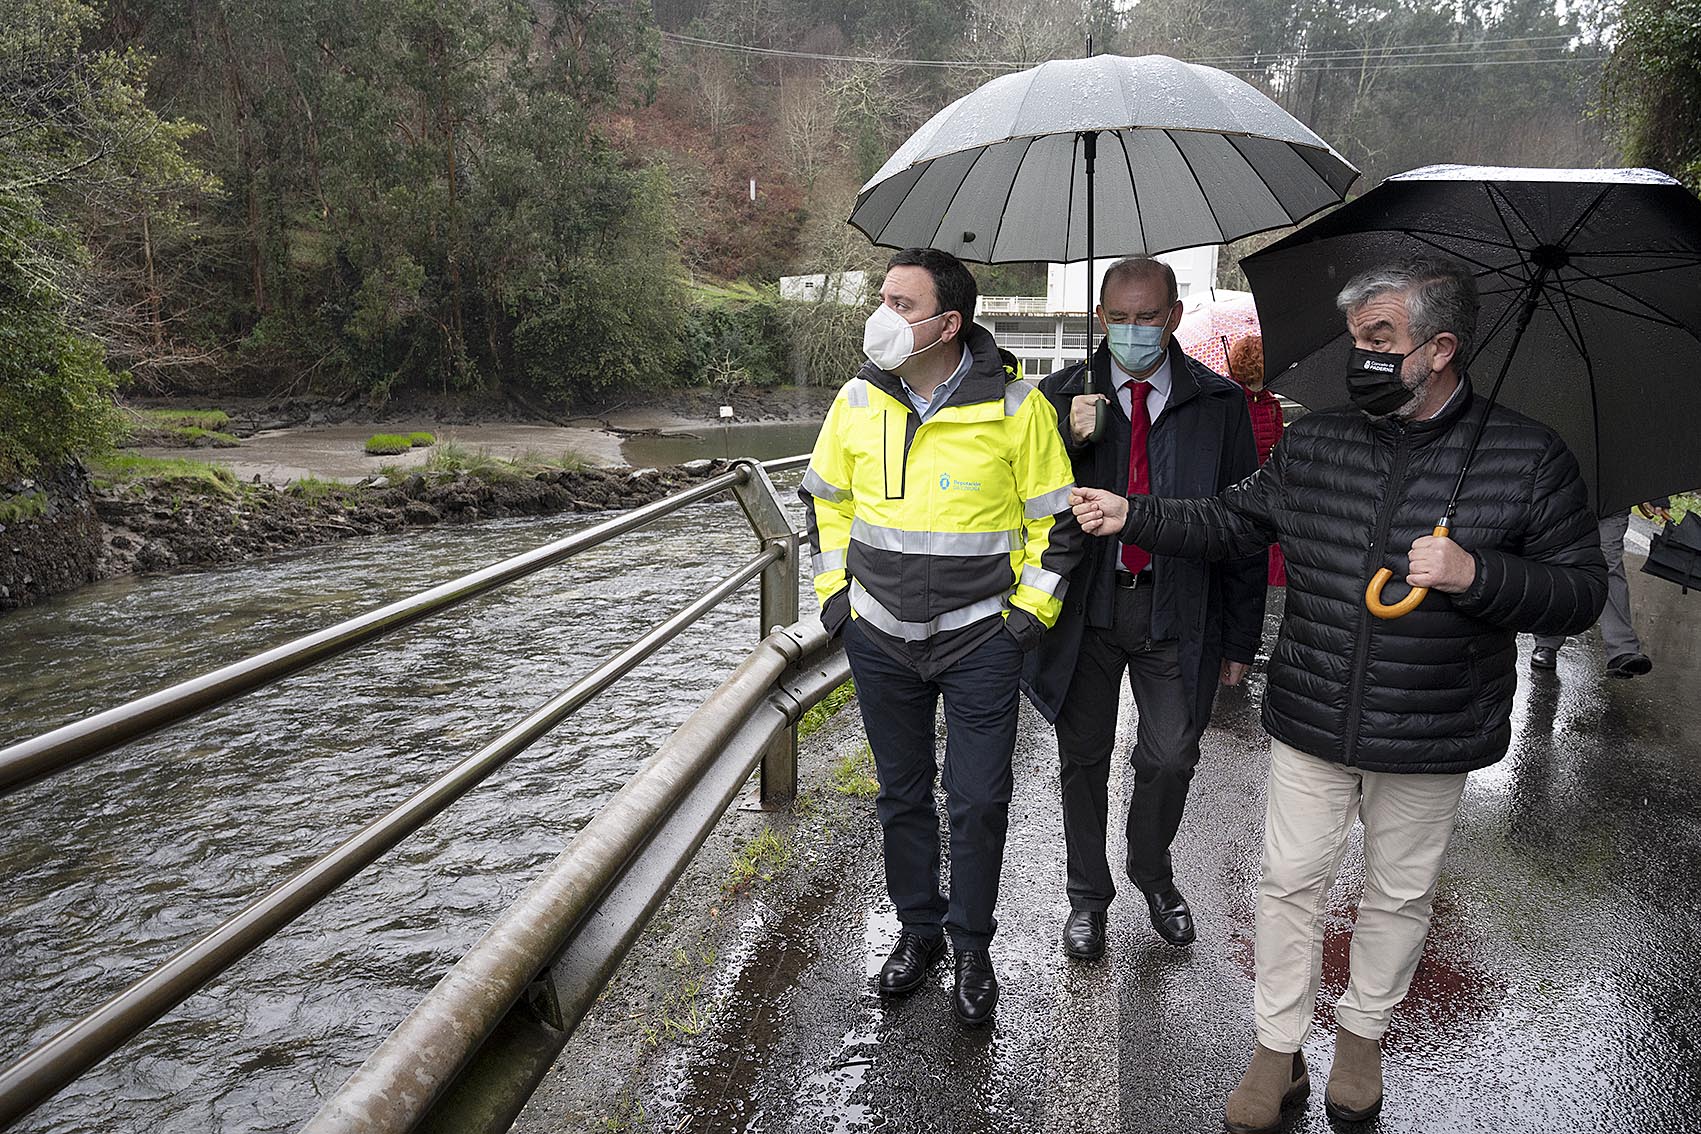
(718, 1088)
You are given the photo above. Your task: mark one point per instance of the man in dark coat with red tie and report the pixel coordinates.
(1176, 627)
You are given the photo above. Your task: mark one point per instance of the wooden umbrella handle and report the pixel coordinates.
(1373, 593)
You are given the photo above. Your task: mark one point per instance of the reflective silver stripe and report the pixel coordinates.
(934, 543)
(866, 606)
(821, 490)
(827, 561)
(1039, 507)
(1040, 579)
(1016, 393)
(856, 393)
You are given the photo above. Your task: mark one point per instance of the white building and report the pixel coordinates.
(849, 288)
(1052, 331)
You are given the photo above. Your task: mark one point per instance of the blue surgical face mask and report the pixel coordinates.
(1136, 347)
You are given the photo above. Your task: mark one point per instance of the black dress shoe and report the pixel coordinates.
(911, 957)
(977, 987)
(1544, 657)
(1630, 665)
(1083, 935)
(1170, 915)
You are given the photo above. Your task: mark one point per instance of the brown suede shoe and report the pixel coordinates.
(1354, 1093)
(1274, 1080)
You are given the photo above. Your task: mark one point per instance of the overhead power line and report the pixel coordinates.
(1404, 57)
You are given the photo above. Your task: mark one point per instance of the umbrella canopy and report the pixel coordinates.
(1186, 155)
(1604, 263)
(1210, 327)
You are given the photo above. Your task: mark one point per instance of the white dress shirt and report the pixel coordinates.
(1157, 396)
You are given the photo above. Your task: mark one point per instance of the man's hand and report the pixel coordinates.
(1099, 512)
(1441, 565)
(1649, 511)
(1083, 412)
(1232, 672)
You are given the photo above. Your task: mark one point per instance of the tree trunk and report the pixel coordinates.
(156, 325)
(251, 175)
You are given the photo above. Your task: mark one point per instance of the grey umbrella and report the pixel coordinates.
(1176, 155)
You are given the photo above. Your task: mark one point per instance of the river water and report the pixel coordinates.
(113, 866)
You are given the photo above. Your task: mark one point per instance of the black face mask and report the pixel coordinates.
(1373, 381)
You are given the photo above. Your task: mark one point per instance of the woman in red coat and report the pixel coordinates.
(1246, 366)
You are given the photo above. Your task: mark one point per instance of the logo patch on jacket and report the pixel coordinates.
(946, 484)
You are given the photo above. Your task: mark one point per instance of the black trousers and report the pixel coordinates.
(1166, 750)
(898, 709)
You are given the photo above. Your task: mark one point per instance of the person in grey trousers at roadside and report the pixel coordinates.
(1618, 634)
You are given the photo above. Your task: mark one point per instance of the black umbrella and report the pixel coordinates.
(1591, 310)
(1674, 554)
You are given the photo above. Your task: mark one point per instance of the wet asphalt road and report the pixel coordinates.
(1557, 991)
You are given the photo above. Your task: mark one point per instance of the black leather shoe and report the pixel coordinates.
(1544, 657)
(977, 987)
(1630, 665)
(1170, 915)
(1083, 935)
(907, 966)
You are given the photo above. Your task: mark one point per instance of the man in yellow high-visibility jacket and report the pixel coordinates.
(938, 500)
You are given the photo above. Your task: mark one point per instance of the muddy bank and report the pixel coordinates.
(50, 536)
(68, 531)
(634, 412)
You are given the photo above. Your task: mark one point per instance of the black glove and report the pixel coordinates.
(1024, 627)
(835, 612)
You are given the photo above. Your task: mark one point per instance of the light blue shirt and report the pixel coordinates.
(927, 407)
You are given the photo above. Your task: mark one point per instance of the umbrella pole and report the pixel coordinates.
(1090, 150)
(1373, 592)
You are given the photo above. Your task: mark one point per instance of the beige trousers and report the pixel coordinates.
(1408, 820)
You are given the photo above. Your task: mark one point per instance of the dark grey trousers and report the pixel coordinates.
(1166, 750)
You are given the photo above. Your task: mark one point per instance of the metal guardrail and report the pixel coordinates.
(46, 1069)
(470, 1055)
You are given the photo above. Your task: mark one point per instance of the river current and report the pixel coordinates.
(111, 867)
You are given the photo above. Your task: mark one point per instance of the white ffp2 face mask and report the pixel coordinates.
(888, 338)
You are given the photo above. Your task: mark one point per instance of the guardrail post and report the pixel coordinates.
(767, 516)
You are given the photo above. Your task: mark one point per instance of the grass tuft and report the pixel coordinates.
(853, 774)
(760, 859)
(825, 709)
(387, 444)
(208, 420)
(124, 468)
(421, 440)
(314, 489)
(24, 506)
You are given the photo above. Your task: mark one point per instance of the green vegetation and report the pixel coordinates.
(24, 506)
(760, 858)
(823, 711)
(421, 440)
(1653, 87)
(853, 774)
(210, 420)
(122, 468)
(549, 199)
(314, 489)
(184, 426)
(387, 444)
(84, 165)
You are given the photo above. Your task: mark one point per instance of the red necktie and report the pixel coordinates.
(1139, 478)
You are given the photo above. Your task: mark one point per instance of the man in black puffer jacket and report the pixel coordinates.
(1381, 719)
